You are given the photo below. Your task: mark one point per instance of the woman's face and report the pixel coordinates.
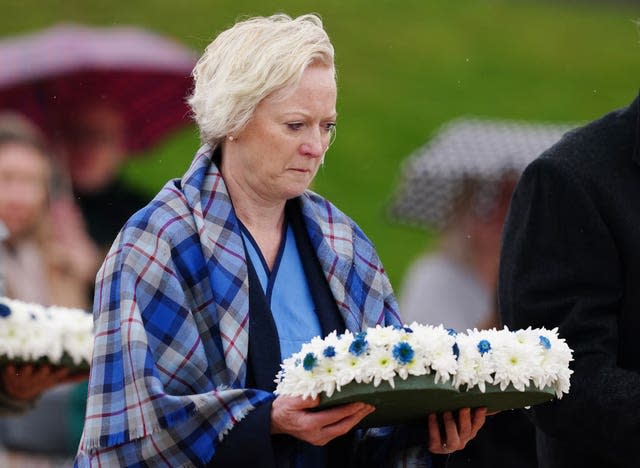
(24, 174)
(276, 156)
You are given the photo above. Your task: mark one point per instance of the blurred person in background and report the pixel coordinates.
(455, 284)
(98, 93)
(460, 184)
(47, 257)
(42, 260)
(20, 385)
(91, 144)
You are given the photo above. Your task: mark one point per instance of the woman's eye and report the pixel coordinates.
(295, 125)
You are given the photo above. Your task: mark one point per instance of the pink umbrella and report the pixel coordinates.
(57, 71)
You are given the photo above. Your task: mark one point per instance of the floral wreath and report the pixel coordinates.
(523, 358)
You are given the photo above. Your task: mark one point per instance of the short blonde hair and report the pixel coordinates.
(247, 63)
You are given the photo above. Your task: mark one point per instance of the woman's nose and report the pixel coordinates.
(314, 145)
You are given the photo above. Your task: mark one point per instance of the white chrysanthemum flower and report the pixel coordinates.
(26, 338)
(14, 330)
(298, 382)
(45, 339)
(556, 356)
(383, 337)
(419, 365)
(76, 329)
(435, 346)
(347, 365)
(33, 333)
(381, 366)
(475, 362)
(517, 360)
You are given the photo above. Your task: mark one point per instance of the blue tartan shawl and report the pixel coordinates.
(171, 315)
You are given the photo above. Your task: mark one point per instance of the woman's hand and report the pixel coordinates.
(291, 415)
(456, 434)
(28, 382)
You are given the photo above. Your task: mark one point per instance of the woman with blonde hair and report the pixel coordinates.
(230, 269)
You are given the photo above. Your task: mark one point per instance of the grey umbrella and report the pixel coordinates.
(484, 151)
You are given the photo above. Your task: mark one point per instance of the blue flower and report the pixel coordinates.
(452, 331)
(484, 346)
(403, 352)
(329, 351)
(5, 311)
(309, 362)
(456, 350)
(359, 345)
(544, 341)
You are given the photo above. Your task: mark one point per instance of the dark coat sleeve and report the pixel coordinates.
(561, 267)
(249, 443)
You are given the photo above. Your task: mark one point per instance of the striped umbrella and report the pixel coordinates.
(49, 74)
(466, 150)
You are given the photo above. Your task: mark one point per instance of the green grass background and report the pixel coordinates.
(405, 67)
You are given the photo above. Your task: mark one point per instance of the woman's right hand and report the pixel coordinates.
(291, 415)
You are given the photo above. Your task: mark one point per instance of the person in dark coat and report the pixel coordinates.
(92, 145)
(571, 259)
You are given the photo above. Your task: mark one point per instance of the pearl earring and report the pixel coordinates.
(230, 138)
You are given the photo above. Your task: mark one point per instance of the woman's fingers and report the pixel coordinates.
(342, 426)
(478, 419)
(456, 433)
(336, 428)
(452, 437)
(435, 441)
(465, 426)
(336, 414)
(292, 416)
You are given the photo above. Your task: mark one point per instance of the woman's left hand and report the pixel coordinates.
(456, 433)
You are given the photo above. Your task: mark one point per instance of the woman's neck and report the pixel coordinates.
(255, 212)
(259, 218)
(262, 217)
(265, 223)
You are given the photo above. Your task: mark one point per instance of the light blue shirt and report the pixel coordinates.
(287, 293)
